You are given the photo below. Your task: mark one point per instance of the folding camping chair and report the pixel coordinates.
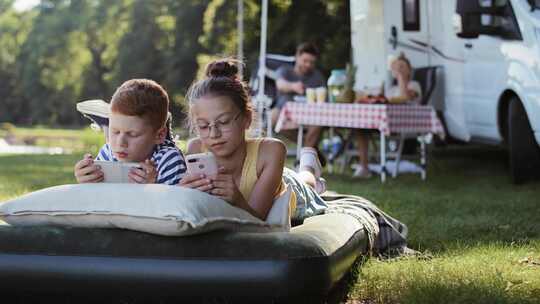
(97, 111)
(264, 106)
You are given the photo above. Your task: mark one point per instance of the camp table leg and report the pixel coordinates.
(299, 141)
(423, 158)
(383, 157)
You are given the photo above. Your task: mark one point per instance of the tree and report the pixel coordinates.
(14, 28)
(139, 55)
(63, 51)
(161, 44)
(51, 63)
(187, 30)
(104, 25)
(325, 23)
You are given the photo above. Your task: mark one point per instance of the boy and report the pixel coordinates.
(138, 133)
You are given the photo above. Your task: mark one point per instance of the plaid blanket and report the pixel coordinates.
(387, 236)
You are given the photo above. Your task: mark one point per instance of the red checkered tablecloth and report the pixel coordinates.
(385, 118)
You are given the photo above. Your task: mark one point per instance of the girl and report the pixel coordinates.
(251, 172)
(405, 90)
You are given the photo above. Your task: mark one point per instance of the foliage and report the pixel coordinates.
(325, 23)
(14, 28)
(61, 52)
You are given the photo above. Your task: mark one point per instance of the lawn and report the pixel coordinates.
(71, 140)
(479, 234)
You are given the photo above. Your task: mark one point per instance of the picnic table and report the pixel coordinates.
(388, 119)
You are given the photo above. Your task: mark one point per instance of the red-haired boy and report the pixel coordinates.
(138, 133)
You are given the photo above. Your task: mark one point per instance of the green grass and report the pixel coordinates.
(73, 140)
(480, 234)
(25, 173)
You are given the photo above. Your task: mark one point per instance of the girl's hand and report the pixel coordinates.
(226, 189)
(147, 174)
(86, 172)
(198, 182)
(401, 77)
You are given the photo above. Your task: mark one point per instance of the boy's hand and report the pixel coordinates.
(147, 174)
(226, 189)
(86, 172)
(198, 182)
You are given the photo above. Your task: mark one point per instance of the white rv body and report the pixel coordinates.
(478, 75)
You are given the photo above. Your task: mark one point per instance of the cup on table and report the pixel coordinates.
(311, 95)
(321, 94)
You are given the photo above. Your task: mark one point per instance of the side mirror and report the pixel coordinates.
(466, 27)
(535, 4)
(488, 20)
(473, 7)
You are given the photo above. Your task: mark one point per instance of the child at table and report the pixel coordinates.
(251, 172)
(138, 133)
(406, 90)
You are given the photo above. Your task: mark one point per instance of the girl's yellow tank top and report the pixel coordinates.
(249, 174)
(249, 168)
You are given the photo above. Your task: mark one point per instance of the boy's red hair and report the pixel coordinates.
(143, 98)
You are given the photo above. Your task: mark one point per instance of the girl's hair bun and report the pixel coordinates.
(222, 68)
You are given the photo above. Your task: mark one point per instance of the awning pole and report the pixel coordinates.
(240, 29)
(261, 99)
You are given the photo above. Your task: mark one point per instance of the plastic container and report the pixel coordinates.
(335, 147)
(336, 84)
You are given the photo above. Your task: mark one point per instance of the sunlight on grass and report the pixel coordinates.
(72, 140)
(494, 273)
(24, 173)
(470, 218)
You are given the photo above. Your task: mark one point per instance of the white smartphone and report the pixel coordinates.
(202, 163)
(116, 172)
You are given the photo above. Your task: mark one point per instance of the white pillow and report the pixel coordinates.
(280, 214)
(157, 209)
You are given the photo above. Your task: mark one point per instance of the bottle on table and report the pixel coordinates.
(336, 84)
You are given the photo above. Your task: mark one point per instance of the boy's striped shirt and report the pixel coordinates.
(168, 159)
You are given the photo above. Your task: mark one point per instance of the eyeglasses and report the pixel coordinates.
(223, 126)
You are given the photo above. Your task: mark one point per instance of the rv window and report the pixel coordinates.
(535, 4)
(496, 21)
(488, 17)
(486, 3)
(492, 3)
(411, 15)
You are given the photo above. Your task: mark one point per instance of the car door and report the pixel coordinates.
(485, 71)
(484, 80)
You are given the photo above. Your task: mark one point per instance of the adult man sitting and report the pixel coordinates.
(293, 81)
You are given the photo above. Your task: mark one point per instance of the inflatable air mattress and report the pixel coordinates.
(309, 260)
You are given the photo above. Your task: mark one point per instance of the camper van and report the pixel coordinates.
(488, 58)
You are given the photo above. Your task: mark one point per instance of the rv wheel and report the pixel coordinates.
(524, 152)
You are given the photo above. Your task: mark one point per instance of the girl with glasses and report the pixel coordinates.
(251, 172)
